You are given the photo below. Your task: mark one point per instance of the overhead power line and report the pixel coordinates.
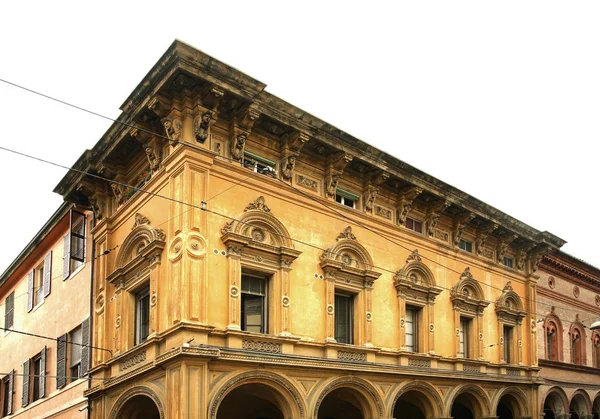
(226, 158)
(55, 339)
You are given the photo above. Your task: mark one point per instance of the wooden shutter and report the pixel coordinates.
(10, 392)
(42, 376)
(67, 256)
(25, 398)
(61, 361)
(30, 291)
(47, 280)
(9, 311)
(85, 349)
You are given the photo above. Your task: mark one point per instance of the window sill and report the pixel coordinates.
(75, 272)
(37, 306)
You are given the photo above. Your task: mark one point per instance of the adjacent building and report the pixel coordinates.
(44, 321)
(568, 301)
(270, 265)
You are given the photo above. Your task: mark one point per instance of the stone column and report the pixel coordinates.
(235, 278)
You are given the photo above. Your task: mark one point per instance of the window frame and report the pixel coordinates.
(505, 260)
(78, 346)
(258, 164)
(9, 311)
(143, 293)
(349, 318)
(264, 298)
(465, 245)
(7, 394)
(416, 325)
(72, 263)
(508, 332)
(465, 337)
(344, 197)
(30, 378)
(414, 222)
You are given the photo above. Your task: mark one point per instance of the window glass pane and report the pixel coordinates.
(343, 319)
(5, 397)
(410, 224)
(37, 371)
(418, 227)
(253, 313)
(410, 328)
(507, 343)
(142, 315)
(75, 353)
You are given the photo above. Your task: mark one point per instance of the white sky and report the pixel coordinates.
(499, 99)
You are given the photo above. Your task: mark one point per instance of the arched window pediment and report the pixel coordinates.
(468, 294)
(140, 250)
(258, 231)
(349, 258)
(509, 305)
(417, 277)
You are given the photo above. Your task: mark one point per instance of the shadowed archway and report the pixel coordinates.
(139, 407)
(555, 403)
(252, 401)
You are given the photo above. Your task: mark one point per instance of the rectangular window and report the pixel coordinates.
(465, 245)
(344, 331)
(254, 304)
(142, 315)
(508, 340)
(346, 198)
(38, 290)
(9, 310)
(37, 373)
(464, 338)
(75, 341)
(411, 327)
(508, 262)
(7, 394)
(74, 244)
(414, 225)
(258, 164)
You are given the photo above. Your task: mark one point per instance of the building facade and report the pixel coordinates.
(270, 265)
(45, 300)
(568, 296)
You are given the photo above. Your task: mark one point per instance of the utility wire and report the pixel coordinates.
(204, 208)
(203, 150)
(70, 377)
(55, 339)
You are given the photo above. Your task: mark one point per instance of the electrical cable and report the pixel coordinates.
(249, 224)
(55, 339)
(196, 148)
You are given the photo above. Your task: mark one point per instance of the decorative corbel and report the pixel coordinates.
(537, 254)
(434, 212)
(406, 198)
(202, 127)
(522, 254)
(482, 236)
(247, 117)
(337, 162)
(97, 207)
(172, 130)
(153, 156)
(460, 223)
(159, 106)
(295, 142)
(211, 96)
(118, 192)
(141, 135)
(237, 144)
(240, 129)
(287, 166)
(503, 243)
(369, 197)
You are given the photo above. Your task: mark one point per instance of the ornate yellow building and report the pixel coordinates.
(270, 265)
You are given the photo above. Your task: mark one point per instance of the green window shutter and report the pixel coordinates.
(47, 280)
(25, 398)
(61, 361)
(30, 291)
(85, 349)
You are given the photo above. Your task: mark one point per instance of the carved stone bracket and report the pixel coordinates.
(173, 129)
(522, 254)
(339, 161)
(295, 142)
(460, 223)
(159, 106)
(247, 117)
(482, 236)
(331, 183)
(237, 144)
(434, 212)
(287, 166)
(370, 195)
(537, 254)
(503, 243)
(202, 126)
(406, 199)
(211, 96)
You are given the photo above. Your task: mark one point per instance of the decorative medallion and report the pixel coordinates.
(346, 259)
(329, 309)
(402, 321)
(234, 291)
(576, 291)
(285, 301)
(551, 282)
(481, 336)
(457, 332)
(258, 235)
(431, 327)
(100, 304)
(153, 300)
(118, 322)
(369, 316)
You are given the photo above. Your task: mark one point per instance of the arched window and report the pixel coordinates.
(577, 346)
(510, 313)
(553, 337)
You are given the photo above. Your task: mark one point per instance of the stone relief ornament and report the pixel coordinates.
(370, 196)
(304, 181)
(346, 234)
(237, 146)
(152, 158)
(118, 192)
(172, 130)
(97, 208)
(202, 127)
(414, 257)
(258, 205)
(288, 167)
(332, 183)
(140, 220)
